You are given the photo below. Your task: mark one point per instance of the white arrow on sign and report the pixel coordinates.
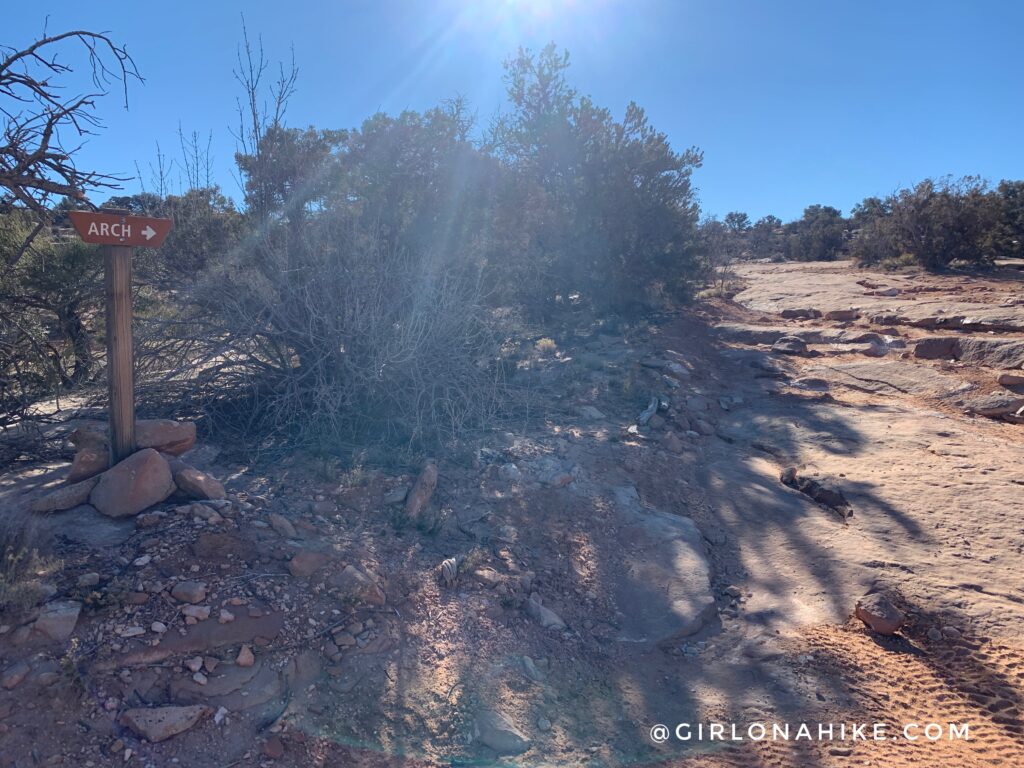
(148, 233)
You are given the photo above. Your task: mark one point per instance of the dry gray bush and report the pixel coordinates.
(337, 339)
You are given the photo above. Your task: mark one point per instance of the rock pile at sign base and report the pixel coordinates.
(149, 476)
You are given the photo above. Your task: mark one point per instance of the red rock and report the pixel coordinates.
(198, 485)
(138, 482)
(64, 498)
(878, 612)
(88, 462)
(165, 435)
(245, 658)
(306, 562)
(161, 723)
(273, 748)
(355, 584)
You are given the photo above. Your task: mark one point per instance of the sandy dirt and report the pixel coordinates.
(692, 585)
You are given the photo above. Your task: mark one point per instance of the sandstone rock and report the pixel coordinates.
(141, 480)
(57, 620)
(282, 526)
(273, 748)
(495, 730)
(164, 435)
(161, 723)
(198, 485)
(995, 405)
(14, 674)
(672, 442)
(245, 657)
(189, 591)
(590, 413)
(663, 586)
(356, 584)
(197, 612)
(396, 495)
(306, 562)
(878, 612)
(88, 462)
(421, 492)
(64, 498)
(842, 314)
(703, 428)
(790, 345)
(936, 348)
(796, 313)
(543, 615)
(1011, 380)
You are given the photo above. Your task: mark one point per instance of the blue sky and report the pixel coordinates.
(792, 103)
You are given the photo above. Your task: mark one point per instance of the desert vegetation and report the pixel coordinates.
(483, 442)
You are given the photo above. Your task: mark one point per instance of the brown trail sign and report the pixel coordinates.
(120, 233)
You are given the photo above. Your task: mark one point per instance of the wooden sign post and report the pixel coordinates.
(120, 234)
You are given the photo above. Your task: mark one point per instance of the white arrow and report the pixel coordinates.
(148, 233)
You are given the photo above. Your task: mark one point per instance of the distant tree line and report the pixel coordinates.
(934, 224)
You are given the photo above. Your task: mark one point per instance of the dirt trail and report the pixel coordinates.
(687, 583)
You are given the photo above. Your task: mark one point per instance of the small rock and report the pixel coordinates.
(225, 616)
(282, 526)
(197, 612)
(878, 612)
(88, 579)
(194, 664)
(355, 584)
(161, 723)
(543, 724)
(344, 640)
(544, 615)
(591, 413)
(14, 674)
(842, 314)
(306, 562)
(672, 442)
(132, 631)
(273, 748)
(198, 485)
(142, 562)
(323, 507)
(934, 634)
(159, 627)
(245, 657)
(790, 345)
(200, 678)
(219, 715)
(68, 497)
(57, 619)
(189, 591)
(495, 730)
(396, 495)
(531, 670)
(951, 633)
